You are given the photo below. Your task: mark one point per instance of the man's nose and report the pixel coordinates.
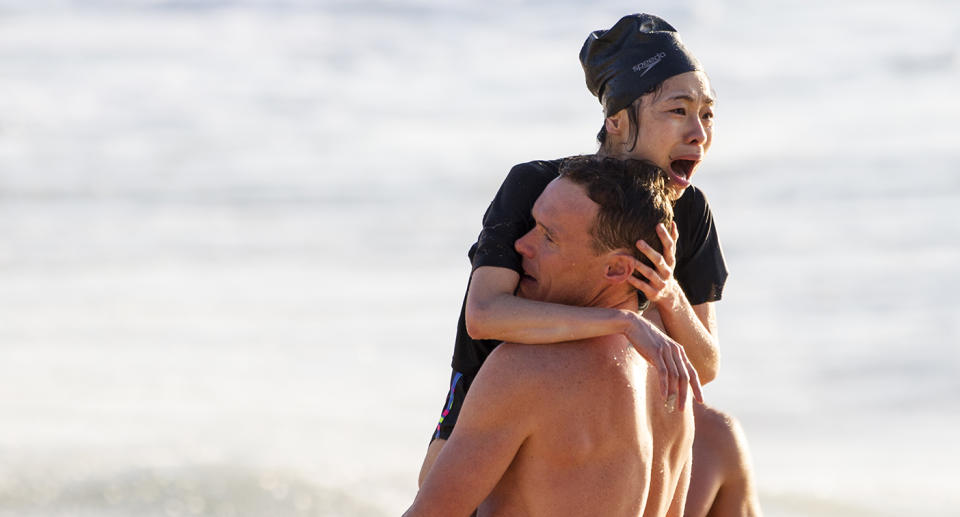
(522, 245)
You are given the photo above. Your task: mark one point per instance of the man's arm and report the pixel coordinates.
(496, 418)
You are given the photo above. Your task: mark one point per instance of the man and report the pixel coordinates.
(578, 428)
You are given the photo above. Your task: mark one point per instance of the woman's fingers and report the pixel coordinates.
(669, 241)
(673, 373)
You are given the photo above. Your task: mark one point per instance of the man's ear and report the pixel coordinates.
(620, 266)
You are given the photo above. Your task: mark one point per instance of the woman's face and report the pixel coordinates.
(676, 127)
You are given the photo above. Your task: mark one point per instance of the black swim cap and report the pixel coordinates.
(627, 61)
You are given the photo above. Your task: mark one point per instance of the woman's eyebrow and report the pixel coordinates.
(690, 98)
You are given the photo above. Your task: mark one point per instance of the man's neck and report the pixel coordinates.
(614, 298)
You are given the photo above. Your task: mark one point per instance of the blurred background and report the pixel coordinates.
(233, 241)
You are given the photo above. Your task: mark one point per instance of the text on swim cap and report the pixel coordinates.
(645, 66)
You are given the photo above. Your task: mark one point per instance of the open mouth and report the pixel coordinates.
(683, 168)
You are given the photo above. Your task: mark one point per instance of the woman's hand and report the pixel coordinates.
(669, 358)
(661, 288)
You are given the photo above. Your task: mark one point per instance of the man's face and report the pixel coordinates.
(676, 128)
(559, 264)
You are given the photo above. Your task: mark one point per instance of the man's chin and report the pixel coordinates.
(525, 289)
(522, 293)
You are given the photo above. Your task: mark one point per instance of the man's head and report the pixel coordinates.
(657, 101)
(588, 221)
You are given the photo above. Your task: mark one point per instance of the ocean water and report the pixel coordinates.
(233, 241)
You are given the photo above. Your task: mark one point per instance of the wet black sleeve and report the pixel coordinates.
(508, 216)
(701, 270)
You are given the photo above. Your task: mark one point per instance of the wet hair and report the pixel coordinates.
(632, 196)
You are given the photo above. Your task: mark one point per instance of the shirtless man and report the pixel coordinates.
(578, 428)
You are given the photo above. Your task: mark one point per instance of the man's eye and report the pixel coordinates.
(679, 111)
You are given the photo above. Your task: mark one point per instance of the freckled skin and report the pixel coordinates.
(598, 447)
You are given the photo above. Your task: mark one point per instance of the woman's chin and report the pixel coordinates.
(676, 190)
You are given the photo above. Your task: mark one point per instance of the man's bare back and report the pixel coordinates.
(592, 450)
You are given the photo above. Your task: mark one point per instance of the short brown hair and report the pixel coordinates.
(632, 196)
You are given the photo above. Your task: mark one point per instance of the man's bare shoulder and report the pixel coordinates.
(519, 363)
(511, 381)
(722, 431)
(536, 364)
(537, 354)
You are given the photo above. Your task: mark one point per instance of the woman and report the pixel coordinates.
(659, 107)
